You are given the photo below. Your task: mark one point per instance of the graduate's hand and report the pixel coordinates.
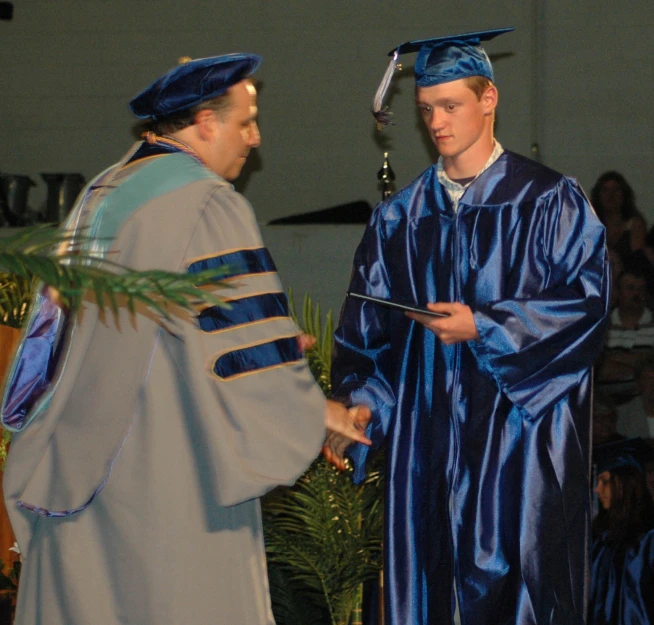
(340, 438)
(459, 326)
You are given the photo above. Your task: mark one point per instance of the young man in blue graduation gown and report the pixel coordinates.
(485, 413)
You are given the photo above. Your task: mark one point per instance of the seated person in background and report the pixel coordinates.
(644, 259)
(646, 385)
(605, 420)
(615, 262)
(622, 554)
(614, 202)
(629, 344)
(629, 340)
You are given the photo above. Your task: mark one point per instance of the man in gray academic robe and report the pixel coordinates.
(134, 476)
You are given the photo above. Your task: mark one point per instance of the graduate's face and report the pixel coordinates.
(457, 121)
(604, 489)
(235, 132)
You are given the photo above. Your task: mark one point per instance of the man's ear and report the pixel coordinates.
(205, 121)
(489, 100)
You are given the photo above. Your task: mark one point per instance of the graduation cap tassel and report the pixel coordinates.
(381, 112)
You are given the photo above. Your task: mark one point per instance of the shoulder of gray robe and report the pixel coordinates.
(253, 427)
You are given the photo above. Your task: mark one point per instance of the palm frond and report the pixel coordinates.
(15, 295)
(291, 604)
(63, 263)
(325, 533)
(319, 356)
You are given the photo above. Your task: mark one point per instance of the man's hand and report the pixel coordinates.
(305, 341)
(345, 426)
(459, 326)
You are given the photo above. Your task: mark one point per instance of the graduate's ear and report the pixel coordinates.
(205, 121)
(489, 100)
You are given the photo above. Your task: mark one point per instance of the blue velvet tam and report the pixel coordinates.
(191, 83)
(631, 452)
(439, 60)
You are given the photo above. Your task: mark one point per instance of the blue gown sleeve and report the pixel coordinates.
(539, 348)
(362, 361)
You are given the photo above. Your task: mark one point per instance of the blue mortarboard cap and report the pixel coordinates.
(631, 452)
(440, 60)
(191, 83)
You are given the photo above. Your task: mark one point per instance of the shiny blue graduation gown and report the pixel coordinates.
(622, 582)
(487, 442)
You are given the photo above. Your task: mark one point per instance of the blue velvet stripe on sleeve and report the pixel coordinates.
(238, 263)
(257, 357)
(243, 311)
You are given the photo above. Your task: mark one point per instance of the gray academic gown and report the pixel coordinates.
(133, 490)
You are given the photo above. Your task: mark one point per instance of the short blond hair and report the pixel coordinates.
(478, 84)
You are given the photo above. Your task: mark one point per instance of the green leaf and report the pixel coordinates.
(31, 253)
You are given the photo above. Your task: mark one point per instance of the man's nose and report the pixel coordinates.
(437, 121)
(255, 136)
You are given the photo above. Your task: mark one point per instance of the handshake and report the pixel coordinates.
(344, 427)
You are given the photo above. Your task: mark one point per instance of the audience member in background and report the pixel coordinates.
(622, 555)
(646, 384)
(615, 262)
(613, 200)
(644, 259)
(605, 420)
(629, 344)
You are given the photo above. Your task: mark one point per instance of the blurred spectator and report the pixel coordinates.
(605, 420)
(613, 200)
(646, 385)
(615, 263)
(620, 370)
(643, 259)
(622, 555)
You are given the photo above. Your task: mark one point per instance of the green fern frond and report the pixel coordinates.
(291, 604)
(325, 533)
(322, 529)
(319, 356)
(15, 295)
(32, 253)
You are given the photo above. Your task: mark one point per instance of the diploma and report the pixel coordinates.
(405, 306)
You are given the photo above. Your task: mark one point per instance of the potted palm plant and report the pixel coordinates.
(323, 535)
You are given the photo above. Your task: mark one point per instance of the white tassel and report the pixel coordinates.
(378, 110)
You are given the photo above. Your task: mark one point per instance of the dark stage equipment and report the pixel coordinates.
(6, 10)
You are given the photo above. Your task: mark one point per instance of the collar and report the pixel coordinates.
(454, 189)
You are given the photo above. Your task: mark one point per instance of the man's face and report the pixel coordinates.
(236, 132)
(455, 118)
(632, 292)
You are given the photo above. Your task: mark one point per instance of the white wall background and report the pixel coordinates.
(575, 78)
(68, 68)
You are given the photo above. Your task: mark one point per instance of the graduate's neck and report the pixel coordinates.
(470, 162)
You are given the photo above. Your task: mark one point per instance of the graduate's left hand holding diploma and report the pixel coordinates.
(451, 322)
(455, 323)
